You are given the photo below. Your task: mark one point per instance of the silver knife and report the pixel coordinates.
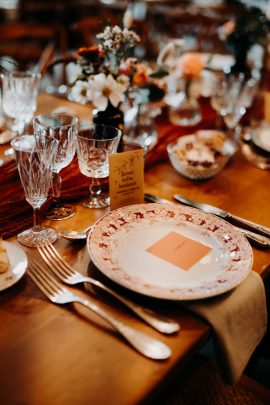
(252, 236)
(223, 214)
(154, 199)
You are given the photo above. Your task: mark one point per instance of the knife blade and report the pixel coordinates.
(264, 230)
(258, 239)
(154, 199)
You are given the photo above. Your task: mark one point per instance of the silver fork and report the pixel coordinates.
(70, 276)
(58, 294)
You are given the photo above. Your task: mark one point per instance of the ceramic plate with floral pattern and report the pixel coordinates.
(118, 245)
(18, 264)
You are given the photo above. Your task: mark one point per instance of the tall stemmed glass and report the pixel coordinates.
(35, 160)
(219, 97)
(232, 96)
(94, 145)
(64, 128)
(19, 98)
(238, 100)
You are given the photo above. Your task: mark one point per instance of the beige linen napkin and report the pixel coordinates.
(238, 319)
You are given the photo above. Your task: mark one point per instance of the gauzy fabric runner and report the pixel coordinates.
(238, 320)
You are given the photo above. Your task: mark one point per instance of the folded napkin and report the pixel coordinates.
(239, 320)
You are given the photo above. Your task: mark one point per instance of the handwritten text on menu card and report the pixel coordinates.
(179, 250)
(126, 178)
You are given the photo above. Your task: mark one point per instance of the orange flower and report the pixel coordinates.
(141, 75)
(189, 65)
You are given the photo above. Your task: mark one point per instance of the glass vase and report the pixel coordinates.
(112, 116)
(186, 112)
(140, 127)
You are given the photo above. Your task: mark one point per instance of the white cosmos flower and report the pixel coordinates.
(80, 92)
(104, 88)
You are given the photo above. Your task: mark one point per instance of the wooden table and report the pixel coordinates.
(50, 355)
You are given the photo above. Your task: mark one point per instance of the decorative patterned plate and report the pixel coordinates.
(117, 245)
(18, 265)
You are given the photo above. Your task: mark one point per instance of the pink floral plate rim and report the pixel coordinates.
(107, 243)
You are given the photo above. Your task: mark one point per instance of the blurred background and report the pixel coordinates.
(35, 32)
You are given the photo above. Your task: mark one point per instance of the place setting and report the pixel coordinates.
(129, 231)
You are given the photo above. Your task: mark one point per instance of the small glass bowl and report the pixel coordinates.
(194, 169)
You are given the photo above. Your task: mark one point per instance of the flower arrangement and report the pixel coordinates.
(109, 75)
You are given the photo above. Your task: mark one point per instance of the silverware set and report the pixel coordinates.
(58, 294)
(70, 276)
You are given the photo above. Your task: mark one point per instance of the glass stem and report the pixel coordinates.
(57, 182)
(94, 188)
(36, 220)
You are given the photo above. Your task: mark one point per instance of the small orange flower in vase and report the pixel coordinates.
(186, 70)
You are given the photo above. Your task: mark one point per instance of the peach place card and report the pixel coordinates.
(179, 250)
(126, 180)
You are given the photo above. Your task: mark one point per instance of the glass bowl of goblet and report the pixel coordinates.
(63, 128)
(94, 145)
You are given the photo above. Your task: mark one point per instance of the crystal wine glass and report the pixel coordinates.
(94, 145)
(35, 160)
(64, 128)
(19, 98)
(219, 98)
(240, 98)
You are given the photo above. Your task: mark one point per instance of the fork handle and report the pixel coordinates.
(260, 240)
(143, 343)
(160, 323)
(264, 230)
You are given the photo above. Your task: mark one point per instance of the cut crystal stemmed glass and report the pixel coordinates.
(64, 128)
(94, 145)
(19, 98)
(35, 160)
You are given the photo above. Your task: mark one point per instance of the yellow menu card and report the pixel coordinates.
(126, 179)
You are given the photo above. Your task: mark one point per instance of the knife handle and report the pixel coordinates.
(258, 239)
(264, 230)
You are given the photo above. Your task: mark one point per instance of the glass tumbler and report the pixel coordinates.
(19, 98)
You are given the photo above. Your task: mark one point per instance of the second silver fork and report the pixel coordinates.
(70, 276)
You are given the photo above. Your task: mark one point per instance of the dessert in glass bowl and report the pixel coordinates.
(200, 155)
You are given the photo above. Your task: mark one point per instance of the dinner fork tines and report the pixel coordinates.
(70, 276)
(58, 294)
